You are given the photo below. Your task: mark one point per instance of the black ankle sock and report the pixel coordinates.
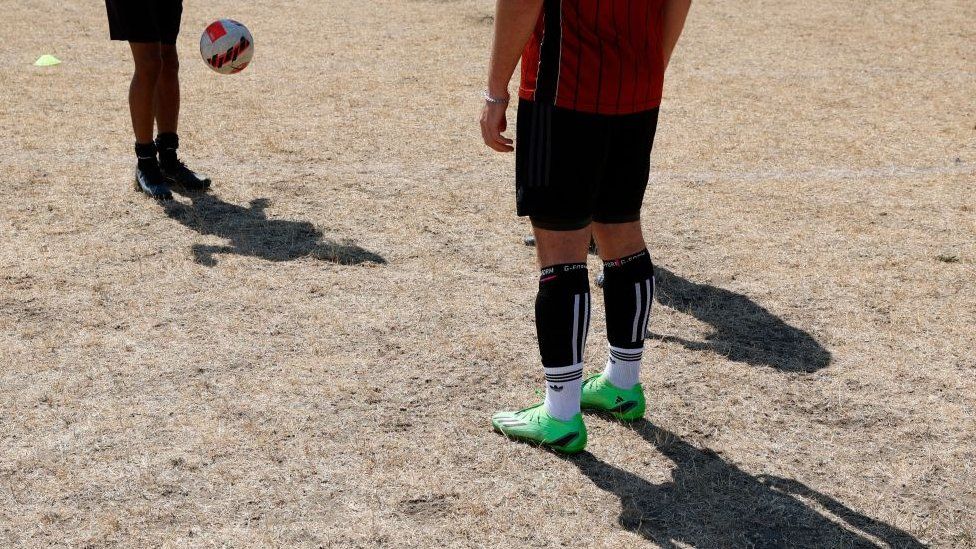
(628, 289)
(146, 154)
(562, 314)
(167, 143)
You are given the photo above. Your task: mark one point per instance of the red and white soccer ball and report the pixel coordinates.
(227, 46)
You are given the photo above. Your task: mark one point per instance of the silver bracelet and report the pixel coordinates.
(495, 100)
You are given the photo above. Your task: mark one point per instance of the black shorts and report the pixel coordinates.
(572, 168)
(144, 20)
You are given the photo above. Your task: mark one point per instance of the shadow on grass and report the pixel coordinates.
(712, 503)
(251, 233)
(744, 330)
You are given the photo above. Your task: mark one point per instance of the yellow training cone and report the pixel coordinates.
(47, 61)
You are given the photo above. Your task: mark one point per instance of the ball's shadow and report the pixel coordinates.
(710, 502)
(251, 233)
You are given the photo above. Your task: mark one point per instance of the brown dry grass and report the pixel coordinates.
(243, 370)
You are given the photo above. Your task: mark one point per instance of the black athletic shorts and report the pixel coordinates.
(572, 168)
(144, 20)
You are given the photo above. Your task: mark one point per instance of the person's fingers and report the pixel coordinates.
(503, 143)
(494, 142)
(494, 146)
(491, 137)
(501, 146)
(493, 123)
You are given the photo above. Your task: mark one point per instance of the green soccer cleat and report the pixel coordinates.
(534, 424)
(623, 404)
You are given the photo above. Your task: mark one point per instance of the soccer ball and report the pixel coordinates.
(227, 46)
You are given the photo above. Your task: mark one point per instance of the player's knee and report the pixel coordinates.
(148, 66)
(561, 246)
(618, 239)
(170, 61)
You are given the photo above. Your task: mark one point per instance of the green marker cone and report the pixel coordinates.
(47, 61)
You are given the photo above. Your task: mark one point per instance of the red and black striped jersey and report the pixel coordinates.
(598, 56)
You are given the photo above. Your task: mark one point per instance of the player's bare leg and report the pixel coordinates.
(615, 240)
(167, 121)
(142, 90)
(167, 111)
(557, 247)
(142, 107)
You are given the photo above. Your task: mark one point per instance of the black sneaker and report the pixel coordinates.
(181, 176)
(150, 180)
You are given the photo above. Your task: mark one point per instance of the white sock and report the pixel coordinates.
(623, 367)
(563, 388)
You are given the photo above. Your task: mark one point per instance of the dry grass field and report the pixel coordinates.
(309, 355)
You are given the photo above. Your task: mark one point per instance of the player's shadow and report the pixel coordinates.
(711, 503)
(252, 233)
(744, 330)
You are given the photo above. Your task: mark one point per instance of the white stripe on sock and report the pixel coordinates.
(562, 370)
(637, 312)
(576, 302)
(647, 310)
(586, 323)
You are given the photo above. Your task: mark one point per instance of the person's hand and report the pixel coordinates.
(493, 124)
